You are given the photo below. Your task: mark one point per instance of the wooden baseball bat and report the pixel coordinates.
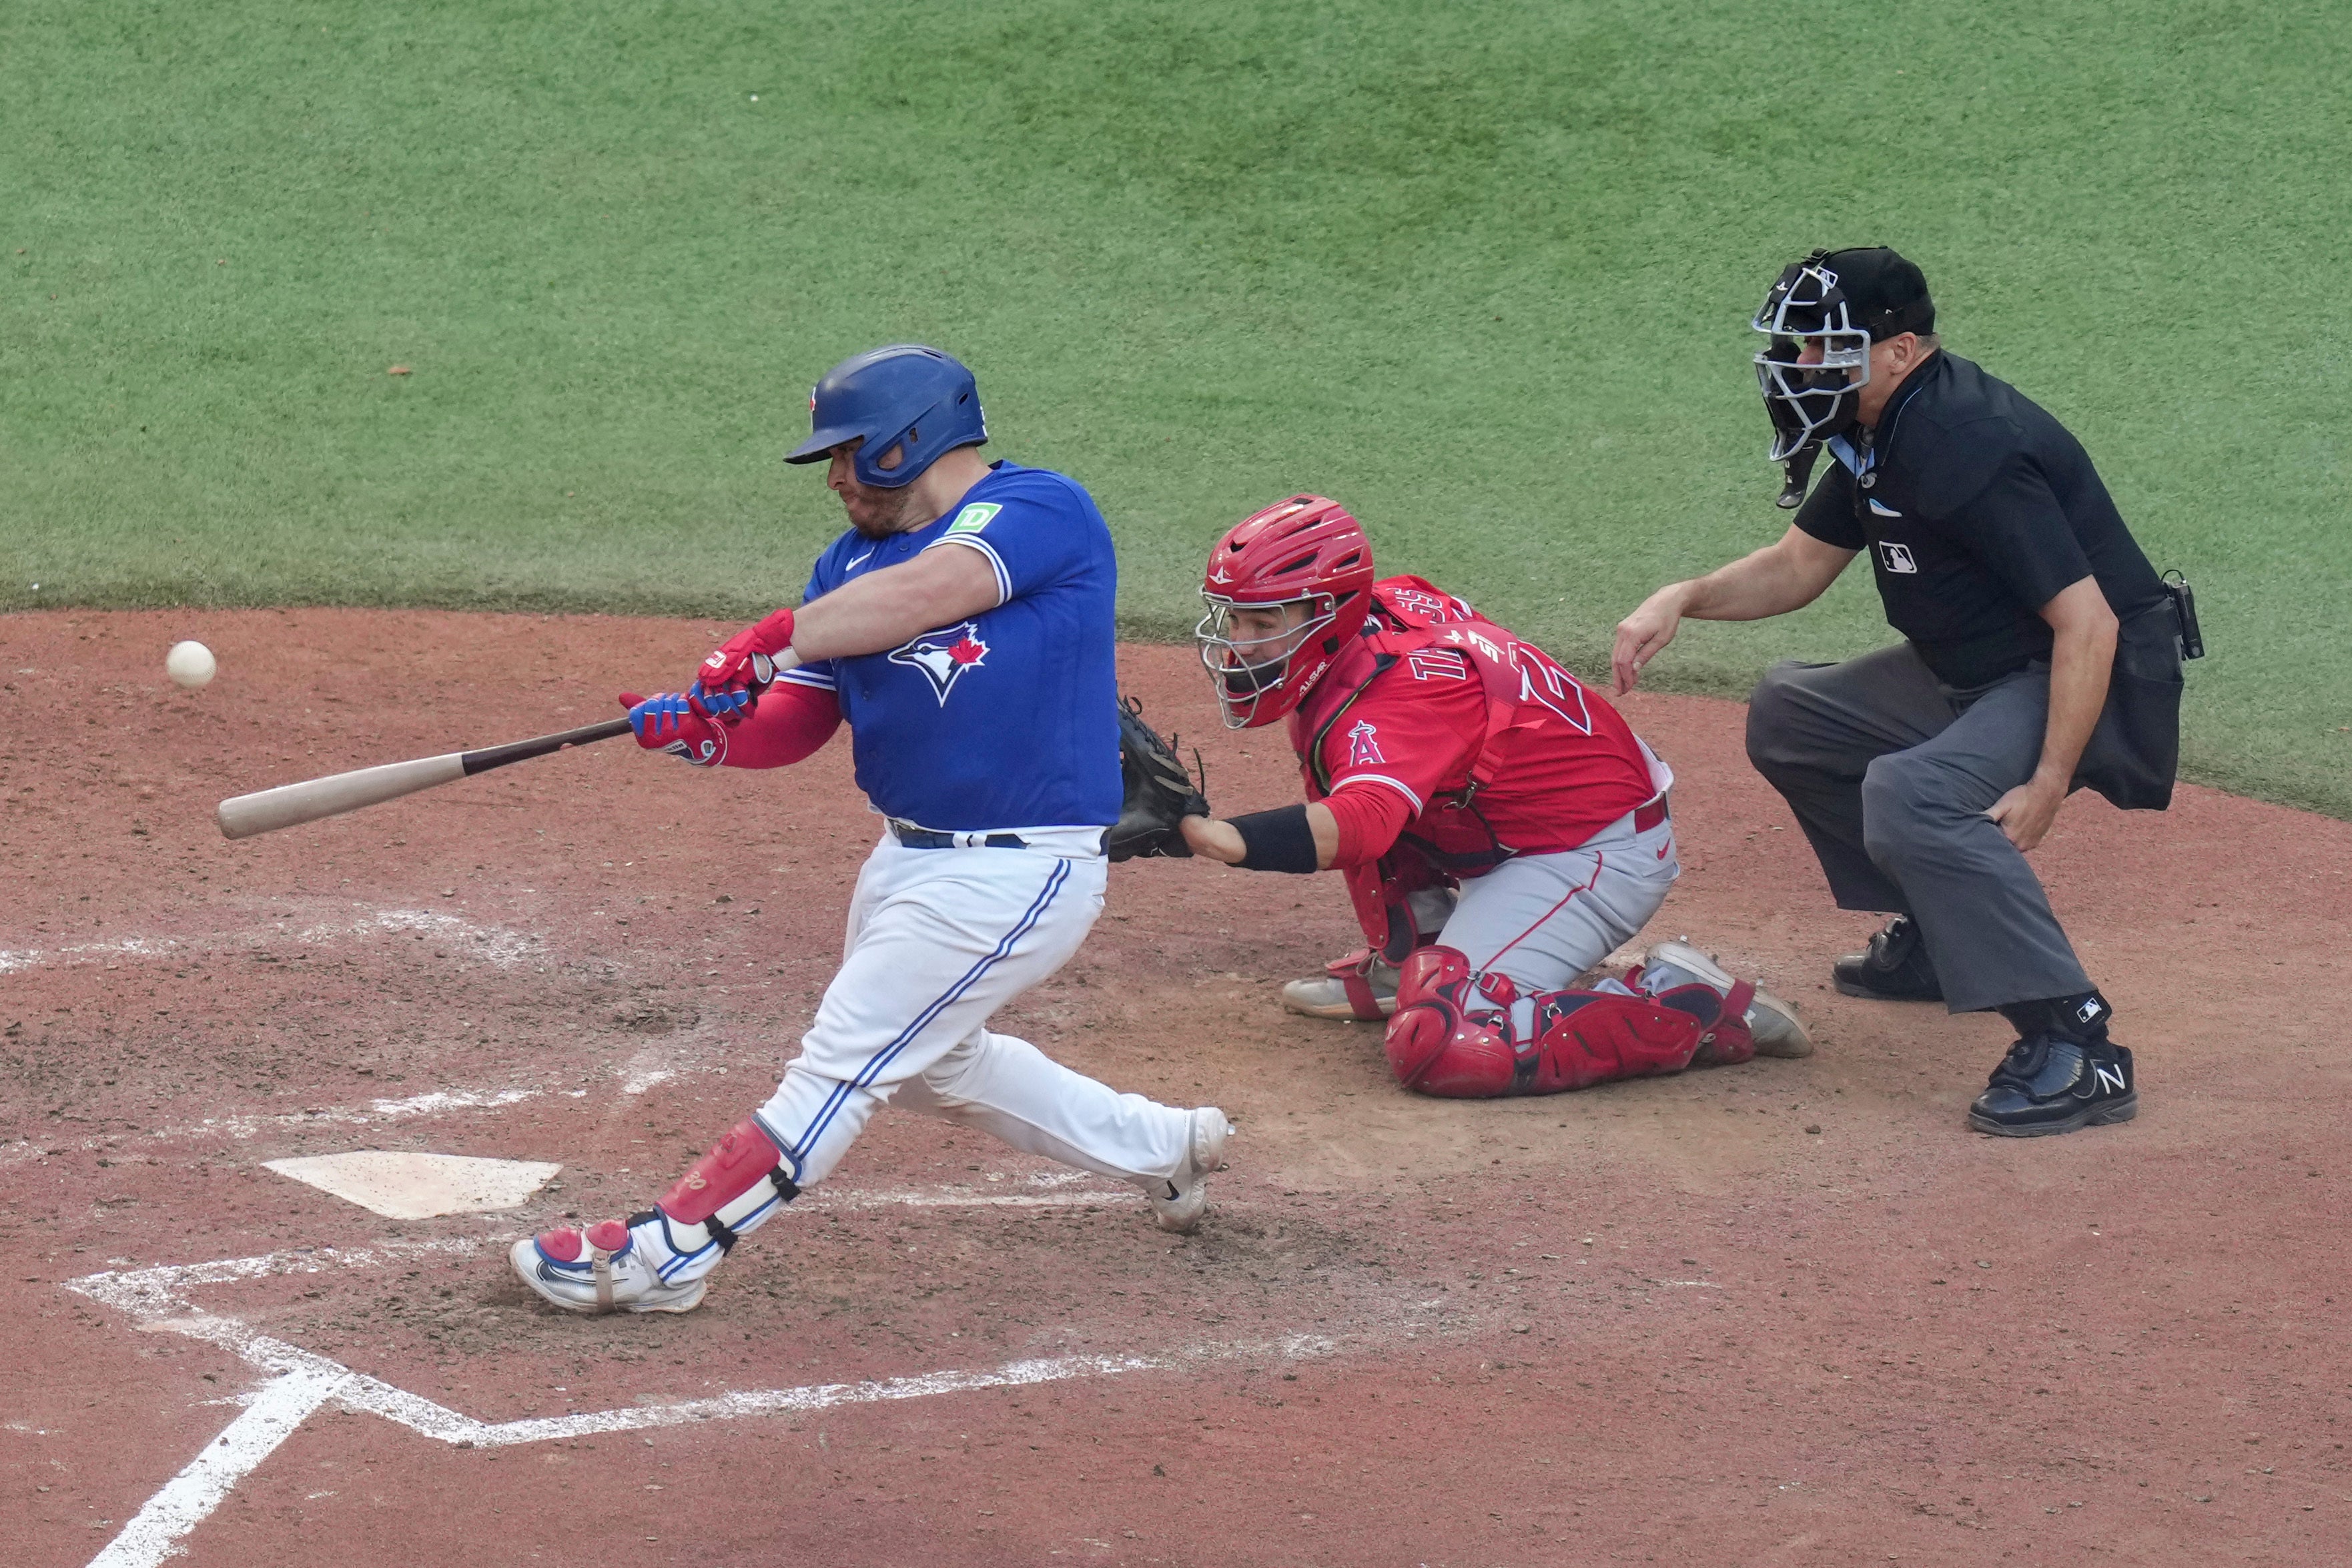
(264, 811)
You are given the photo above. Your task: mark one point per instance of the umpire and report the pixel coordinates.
(2042, 652)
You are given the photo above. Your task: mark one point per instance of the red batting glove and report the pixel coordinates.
(743, 659)
(672, 722)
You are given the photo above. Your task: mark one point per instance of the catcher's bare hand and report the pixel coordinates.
(1643, 633)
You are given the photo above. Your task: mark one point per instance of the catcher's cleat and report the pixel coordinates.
(2048, 1083)
(1895, 967)
(1361, 987)
(1179, 1201)
(1771, 1023)
(610, 1267)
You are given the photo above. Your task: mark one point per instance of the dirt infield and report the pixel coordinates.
(1786, 1313)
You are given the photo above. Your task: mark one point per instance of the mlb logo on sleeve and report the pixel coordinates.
(1897, 557)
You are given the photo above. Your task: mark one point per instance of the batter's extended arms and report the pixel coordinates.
(242, 816)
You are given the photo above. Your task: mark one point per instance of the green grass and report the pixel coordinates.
(1482, 269)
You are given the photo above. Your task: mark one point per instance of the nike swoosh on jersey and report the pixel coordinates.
(1881, 509)
(860, 560)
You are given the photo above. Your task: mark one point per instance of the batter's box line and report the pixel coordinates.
(494, 945)
(245, 1125)
(302, 1381)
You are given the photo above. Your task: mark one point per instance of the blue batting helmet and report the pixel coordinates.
(906, 396)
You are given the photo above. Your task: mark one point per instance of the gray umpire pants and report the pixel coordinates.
(1890, 773)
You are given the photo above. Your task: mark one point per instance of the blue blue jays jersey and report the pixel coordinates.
(1007, 720)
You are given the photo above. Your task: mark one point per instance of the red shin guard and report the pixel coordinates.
(1452, 1034)
(1434, 1044)
(1723, 1039)
(734, 1165)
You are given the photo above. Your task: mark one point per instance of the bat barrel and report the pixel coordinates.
(242, 816)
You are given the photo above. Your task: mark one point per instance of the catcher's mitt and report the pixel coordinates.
(1160, 792)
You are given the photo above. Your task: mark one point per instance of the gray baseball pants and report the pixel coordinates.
(1890, 773)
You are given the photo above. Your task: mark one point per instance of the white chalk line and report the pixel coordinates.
(245, 1125)
(433, 1103)
(494, 945)
(821, 1199)
(304, 1382)
(189, 1498)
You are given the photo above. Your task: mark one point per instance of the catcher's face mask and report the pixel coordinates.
(1250, 648)
(1814, 360)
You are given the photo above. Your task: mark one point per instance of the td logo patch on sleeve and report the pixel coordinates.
(974, 518)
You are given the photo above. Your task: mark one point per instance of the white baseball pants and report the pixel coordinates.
(939, 939)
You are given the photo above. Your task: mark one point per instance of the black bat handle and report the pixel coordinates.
(490, 757)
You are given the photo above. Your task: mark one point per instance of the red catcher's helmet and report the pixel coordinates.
(1305, 551)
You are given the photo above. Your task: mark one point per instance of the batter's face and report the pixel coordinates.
(876, 512)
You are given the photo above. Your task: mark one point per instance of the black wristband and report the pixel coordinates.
(1276, 840)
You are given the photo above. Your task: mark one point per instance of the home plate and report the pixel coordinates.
(419, 1187)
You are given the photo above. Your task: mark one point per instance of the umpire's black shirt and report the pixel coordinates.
(1976, 508)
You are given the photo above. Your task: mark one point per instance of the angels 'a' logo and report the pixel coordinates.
(1363, 745)
(943, 655)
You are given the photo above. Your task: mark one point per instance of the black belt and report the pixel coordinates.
(924, 838)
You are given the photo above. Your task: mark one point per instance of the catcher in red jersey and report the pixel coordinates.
(1501, 828)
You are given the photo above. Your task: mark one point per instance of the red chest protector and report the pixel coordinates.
(1525, 689)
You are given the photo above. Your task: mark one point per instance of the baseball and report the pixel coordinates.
(189, 663)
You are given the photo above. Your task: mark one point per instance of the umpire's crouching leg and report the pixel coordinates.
(1811, 739)
(1987, 923)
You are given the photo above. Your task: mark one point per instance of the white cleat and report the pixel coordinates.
(600, 1268)
(1325, 995)
(1179, 1201)
(1772, 1023)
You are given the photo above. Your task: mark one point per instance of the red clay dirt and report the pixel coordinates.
(1784, 1313)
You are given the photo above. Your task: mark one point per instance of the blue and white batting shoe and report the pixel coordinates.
(607, 1267)
(1771, 1023)
(1179, 1201)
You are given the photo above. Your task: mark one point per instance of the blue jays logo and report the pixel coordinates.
(943, 655)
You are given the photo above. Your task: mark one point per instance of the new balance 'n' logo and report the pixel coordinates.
(2110, 1078)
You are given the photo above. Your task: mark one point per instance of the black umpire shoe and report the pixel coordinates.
(2049, 1083)
(1893, 968)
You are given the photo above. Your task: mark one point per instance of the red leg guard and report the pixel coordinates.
(1723, 1038)
(1584, 1038)
(1448, 1037)
(733, 1166)
(1433, 1046)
